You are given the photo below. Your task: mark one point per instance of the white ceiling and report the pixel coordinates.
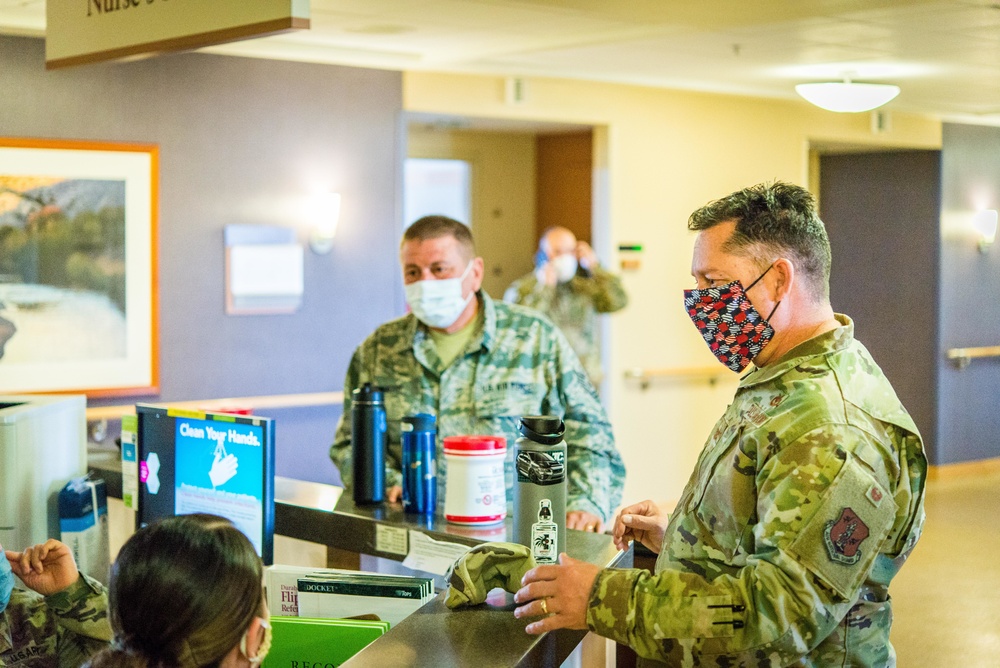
(945, 55)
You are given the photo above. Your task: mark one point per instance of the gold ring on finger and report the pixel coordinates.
(545, 607)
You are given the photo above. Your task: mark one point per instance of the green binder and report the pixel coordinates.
(305, 641)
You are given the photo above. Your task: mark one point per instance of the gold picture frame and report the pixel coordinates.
(78, 267)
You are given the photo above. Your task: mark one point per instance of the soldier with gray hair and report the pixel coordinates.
(478, 366)
(806, 499)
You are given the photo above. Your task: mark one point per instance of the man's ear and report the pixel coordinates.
(784, 278)
(478, 272)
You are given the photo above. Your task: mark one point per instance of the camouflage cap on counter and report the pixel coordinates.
(484, 568)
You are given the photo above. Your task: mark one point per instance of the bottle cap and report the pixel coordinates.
(474, 445)
(544, 429)
(367, 394)
(420, 422)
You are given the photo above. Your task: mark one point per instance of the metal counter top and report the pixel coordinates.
(485, 635)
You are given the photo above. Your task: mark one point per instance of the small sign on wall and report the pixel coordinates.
(631, 259)
(264, 270)
(90, 31)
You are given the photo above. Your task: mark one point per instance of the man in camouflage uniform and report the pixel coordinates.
(478, 366)
(571, 288)
(808, 496)
(62, 622)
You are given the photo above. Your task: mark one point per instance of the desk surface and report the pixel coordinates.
(485, 635)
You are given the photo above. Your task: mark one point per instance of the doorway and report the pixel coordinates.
(523, 178)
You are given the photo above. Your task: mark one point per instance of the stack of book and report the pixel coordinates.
(324, 616)
(332, 593)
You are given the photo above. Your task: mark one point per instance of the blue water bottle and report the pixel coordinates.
(419, 436)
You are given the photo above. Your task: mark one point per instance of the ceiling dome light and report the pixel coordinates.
(847, 96)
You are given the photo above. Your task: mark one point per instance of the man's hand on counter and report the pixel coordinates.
(558, 594)
(394, 494)
(582, 521)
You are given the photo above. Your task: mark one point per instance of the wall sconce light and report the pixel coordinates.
(847, 96)
(986, 225)
(325, 214)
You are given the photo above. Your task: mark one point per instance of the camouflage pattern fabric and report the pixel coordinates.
(62, 630)
(803, 505)
(573, 306)
(517, 364)
(483, 569)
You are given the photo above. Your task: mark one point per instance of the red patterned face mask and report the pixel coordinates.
(730, 325)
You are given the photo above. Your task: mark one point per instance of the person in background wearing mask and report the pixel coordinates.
(187, 592)
(808, 496)
(62, 621)
(570, 287)
(478, 366)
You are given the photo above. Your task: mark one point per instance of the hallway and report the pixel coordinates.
(947, 597)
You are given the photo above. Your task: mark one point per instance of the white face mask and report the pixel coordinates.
(262, 649)
(438, 302)
(565, 266)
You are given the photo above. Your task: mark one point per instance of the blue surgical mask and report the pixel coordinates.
(6, 581)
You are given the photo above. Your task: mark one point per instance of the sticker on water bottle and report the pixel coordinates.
(541, 468)
(545, 535)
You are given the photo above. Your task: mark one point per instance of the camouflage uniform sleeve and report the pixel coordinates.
(595, 471)
(340, 451)
(81, 610)
(794, 588)
(608, 292)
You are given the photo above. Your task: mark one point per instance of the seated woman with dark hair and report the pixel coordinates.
(187, 592)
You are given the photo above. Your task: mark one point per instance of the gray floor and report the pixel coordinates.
(947, 596)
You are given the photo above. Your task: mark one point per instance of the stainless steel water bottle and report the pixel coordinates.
(368, 439)
(419, 437)
(540, 487)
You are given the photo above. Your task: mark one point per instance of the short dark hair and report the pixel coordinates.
(182, 592)
(773, 219)
(437, 226)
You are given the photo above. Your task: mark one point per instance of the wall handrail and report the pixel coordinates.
(645, 376)
(254, 403)
(964, 356)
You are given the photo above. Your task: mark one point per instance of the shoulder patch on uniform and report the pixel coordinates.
(840, 541)
(843, 537)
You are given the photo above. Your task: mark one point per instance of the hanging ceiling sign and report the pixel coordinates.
(90, 31)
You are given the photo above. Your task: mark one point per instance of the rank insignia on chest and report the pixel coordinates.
(843, 537)
(755, 414)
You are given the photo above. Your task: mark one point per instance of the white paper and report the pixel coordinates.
(432, 556)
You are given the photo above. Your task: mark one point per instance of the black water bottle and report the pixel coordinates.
(368, 438)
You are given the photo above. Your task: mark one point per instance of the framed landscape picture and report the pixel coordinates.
(78, 273)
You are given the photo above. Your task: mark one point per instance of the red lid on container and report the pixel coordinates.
(480, 445)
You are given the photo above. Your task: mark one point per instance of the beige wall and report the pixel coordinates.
(665, 153)
(503, 194)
